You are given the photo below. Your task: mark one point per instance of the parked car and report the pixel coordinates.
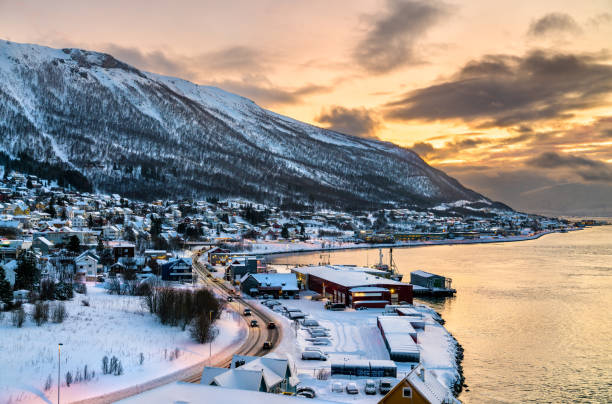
(313, 355)
(296, 296)
(267, 345)
(305, 392)
(370, 387)
(310, 323)
(351, 388)
(315, 349)
(254, 323)
(362, 308)
(335, 306)
(384, 387)
(247, 312)
(337, 387)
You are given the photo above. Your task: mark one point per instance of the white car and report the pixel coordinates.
(370, 387)
(351, 388)
(337, 387)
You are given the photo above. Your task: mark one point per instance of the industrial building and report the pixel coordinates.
(354, 286)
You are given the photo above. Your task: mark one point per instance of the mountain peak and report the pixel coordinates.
(150, 136)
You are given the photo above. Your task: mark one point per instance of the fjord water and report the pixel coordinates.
(534, 317)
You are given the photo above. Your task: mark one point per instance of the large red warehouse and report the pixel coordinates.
(354, 286)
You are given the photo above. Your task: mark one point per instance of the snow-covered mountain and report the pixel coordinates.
(104, 124)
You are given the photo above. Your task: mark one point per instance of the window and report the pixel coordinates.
(407, 392)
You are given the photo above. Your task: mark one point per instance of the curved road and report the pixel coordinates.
(252, 346)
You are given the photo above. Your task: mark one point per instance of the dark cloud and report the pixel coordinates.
(353, 121)
(450, 148)
(554, 23)
(586, 168)
(265, 93)
(226, 60)
(156, 61)
(390, 42)
(424, 149)
(554, 160)
(504, 90)
(600, 19)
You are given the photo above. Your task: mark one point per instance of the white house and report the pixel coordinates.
(79, 221)
(86, 264)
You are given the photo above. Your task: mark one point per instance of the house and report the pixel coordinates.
(429, 280)
(122, 249)
(271, 284)
(86, 265)
(241, 266)
(266, 374)
(79, 221)
(178, 269)
(218, 256)
(42, 244)
(181, 392)
(111, 232)
(420, 386)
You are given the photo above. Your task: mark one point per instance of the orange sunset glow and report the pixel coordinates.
(514, 99)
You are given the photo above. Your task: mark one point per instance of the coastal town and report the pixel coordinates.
(80, 265)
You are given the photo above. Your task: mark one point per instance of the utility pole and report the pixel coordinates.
(59, 365)
(210, 343)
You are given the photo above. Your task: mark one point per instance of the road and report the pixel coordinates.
(253, 345)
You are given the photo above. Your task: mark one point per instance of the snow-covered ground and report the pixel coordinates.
(354, 335)
(111, 325)
(281, 246)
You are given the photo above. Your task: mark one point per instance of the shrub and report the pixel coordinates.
(80, 288)
(40, 314)
(68, 379)
(200, 328)
(48, 383)
(18, 317)
(59, 313)
(47, 289)
(63, 291)
(105, 366)
(114, 286)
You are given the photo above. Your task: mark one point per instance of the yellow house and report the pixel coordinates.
(420, 386)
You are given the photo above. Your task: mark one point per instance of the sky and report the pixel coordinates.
(513, 98)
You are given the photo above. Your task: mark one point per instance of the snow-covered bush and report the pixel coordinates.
(18, 317)
(59, 313)
(40, 313)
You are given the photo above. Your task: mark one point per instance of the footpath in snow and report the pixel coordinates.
(110, 326)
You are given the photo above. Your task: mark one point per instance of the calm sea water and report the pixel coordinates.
(534, 317)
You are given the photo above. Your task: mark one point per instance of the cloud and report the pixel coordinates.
(553, 24)
(588, 169)
(554, 160)
(155, 61)
(450, 148)
(390, 42)
(262, 91)
(353, 121)
(600, 19)
(221, 61)
(505, 90)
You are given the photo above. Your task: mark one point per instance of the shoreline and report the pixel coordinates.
(404, 245)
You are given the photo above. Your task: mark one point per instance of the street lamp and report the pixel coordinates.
(59, 365)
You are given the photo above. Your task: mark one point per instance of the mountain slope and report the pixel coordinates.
(150, 136)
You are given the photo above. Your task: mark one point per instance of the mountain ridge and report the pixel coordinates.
(149, 136)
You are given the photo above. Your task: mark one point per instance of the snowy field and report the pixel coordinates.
(111, 325)
(354, 335)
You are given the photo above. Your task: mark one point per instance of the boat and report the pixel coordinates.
(391, 268)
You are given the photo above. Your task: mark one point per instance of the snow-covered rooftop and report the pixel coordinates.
(348, 276)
